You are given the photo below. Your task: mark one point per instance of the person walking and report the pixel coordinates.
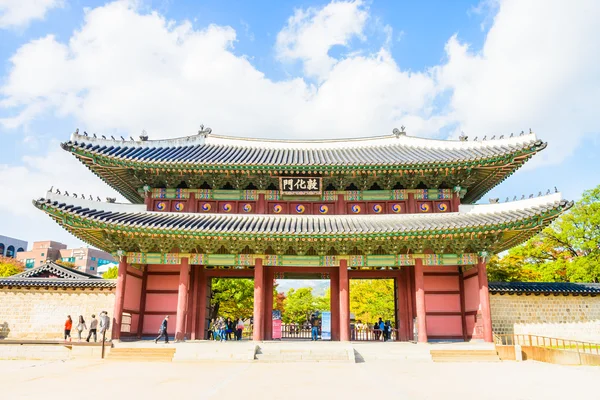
(381, 327)
(163, 331)
(80, 327)
(104, 323)
(314, 323)
(211, 330)
(68, 326)
(239, 328)
(93, 328)
(221, 325)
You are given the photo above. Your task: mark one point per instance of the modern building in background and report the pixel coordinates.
(9, 247)
(85, 259)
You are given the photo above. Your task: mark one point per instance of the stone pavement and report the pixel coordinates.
(391, 379)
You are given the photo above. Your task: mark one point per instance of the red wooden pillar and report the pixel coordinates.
(484, 300)
(192, 204)
(410, 300)
(420, 300)
(334, 293)
(182, 296)
(194, 297)
(268, 318)
(262, 204)
(403, 321)
(461, 287)
(202, 306)
(259, 296)
(148, 201)
(412, 205)
(344, 302)
(140, 330)
(119, 298)
(190, 312)
(455, 202)
(341, 205)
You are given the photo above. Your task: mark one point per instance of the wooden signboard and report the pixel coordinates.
(300, 185)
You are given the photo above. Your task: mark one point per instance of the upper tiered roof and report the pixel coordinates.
(486, 163)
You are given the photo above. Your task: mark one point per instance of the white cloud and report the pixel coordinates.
(29, 181)
(19, 13)
(310, 34)
(125, 71)
(538, 68)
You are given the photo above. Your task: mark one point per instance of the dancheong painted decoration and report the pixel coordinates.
(395, 207)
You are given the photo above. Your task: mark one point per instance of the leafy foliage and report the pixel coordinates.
(232, 298)
(371, 299)
(298, 305)
(566, 251)
(10, 266)
(111, 273)
(66, 264)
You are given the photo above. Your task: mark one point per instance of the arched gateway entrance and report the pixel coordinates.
(446, 300)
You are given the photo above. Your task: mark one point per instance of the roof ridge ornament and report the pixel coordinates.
(399, 132)
(463, 137)
(204, 132)
(144, 136)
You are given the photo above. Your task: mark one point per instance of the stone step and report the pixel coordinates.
(464, 356)
(141, 354)
(304, 352)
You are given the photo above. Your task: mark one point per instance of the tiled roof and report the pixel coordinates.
(473, 216)
(55, 282)
(66, 278)
(223, 150)
(55, 269)
(544, 288)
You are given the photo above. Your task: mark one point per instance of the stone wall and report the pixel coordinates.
(567, 317)
(41, 313)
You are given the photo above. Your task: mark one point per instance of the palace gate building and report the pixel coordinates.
(394, 207)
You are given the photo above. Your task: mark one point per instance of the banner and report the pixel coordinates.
(276, 324)
(326, 325)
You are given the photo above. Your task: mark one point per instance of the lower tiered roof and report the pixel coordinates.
(493, 227)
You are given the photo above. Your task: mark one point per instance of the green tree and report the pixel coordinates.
(10, 266)
(299, 304)
(111, 273)
(323, 303)
(511, 268)
(566, 251)
(66, 264)
(232, 298)
(371, 299)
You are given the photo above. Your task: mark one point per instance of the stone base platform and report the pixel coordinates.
(51, 350)
(241, 351)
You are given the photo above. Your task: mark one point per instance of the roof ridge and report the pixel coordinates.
(306, 144)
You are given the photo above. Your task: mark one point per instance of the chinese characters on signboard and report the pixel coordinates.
(290, 185)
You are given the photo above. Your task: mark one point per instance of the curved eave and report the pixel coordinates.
(490, 171)
(93, 226)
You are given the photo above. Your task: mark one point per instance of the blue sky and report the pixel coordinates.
(292, 69)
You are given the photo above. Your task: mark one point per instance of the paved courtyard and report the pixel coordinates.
(397, 380)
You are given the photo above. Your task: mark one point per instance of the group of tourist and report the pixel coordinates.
(221, 329)
(81, 326)
(380, 329)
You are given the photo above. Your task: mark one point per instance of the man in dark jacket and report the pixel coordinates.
(163, 330)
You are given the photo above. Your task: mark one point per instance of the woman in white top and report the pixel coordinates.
(80, 326)
(239, 328)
